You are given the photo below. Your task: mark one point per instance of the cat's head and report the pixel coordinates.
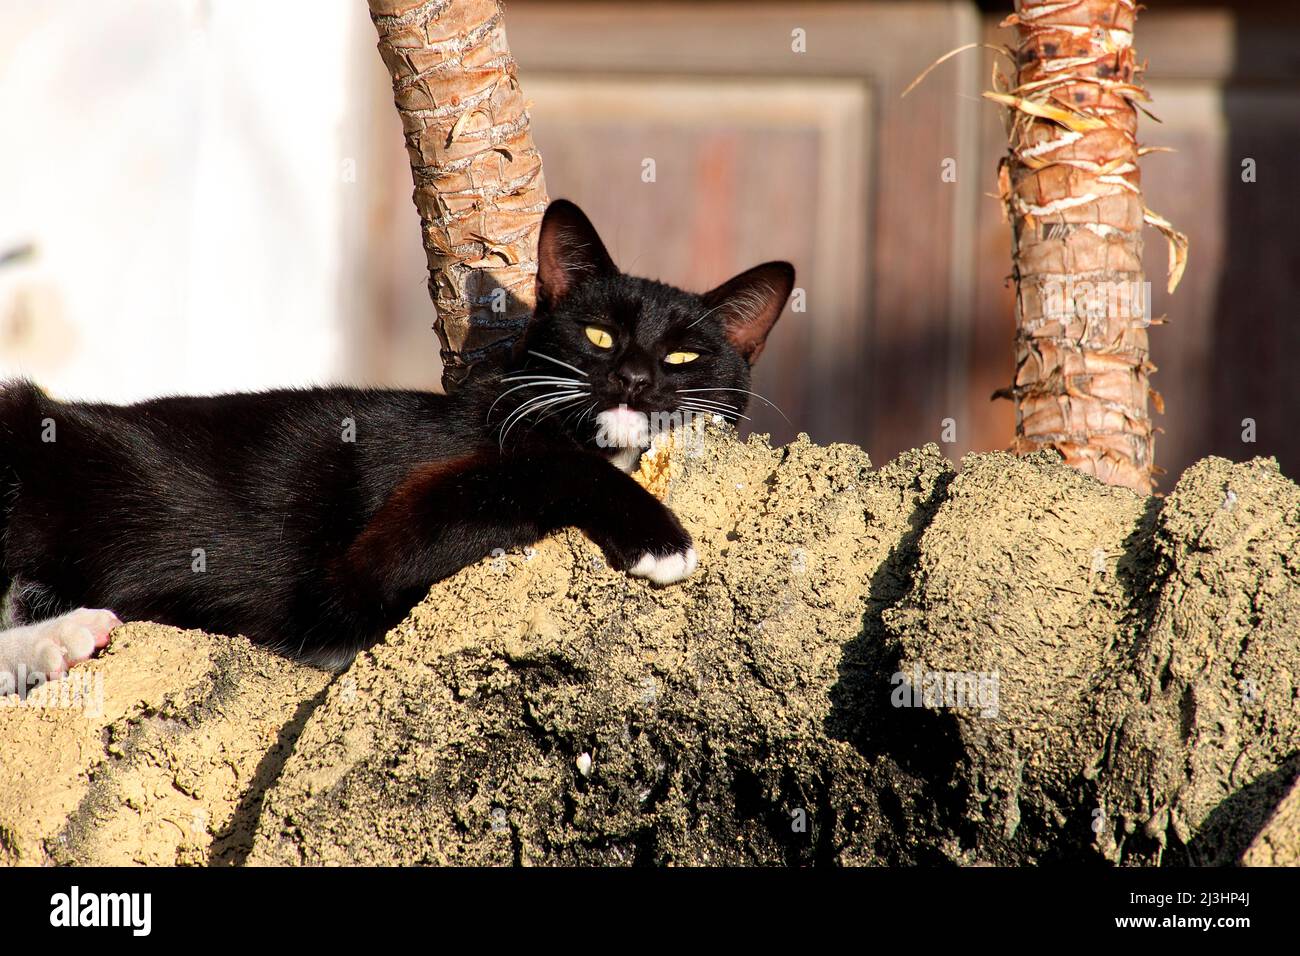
(630, 356)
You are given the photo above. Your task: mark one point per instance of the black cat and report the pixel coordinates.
(313, 520)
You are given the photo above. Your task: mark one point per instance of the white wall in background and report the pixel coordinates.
(180, 168)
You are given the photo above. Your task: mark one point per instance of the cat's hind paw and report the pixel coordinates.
(78, 634)
(668, 569)
(51, 647)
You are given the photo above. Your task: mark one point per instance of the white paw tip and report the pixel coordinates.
(668, 569)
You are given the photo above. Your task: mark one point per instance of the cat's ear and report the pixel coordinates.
(569, 251)
(749, 305)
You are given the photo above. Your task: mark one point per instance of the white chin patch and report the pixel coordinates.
(626, 459)
(622, 428)
(623, 434)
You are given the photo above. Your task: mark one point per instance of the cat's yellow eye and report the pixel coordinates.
(680, 358)
(600, 338)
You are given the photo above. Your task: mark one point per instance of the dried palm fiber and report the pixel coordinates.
(1072, 188)
(478, 177)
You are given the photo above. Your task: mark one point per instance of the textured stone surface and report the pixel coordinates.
(794, 702)
(1148, 672)
(156, 753)
(702, 708)
(1278, 844)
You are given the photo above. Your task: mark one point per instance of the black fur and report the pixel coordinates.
(316, 545)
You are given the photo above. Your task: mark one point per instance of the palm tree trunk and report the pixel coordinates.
(478, 177)
(1072, 187)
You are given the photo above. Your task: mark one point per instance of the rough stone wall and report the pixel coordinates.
(540, 708)
(158, 753)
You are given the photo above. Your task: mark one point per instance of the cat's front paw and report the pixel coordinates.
(666, 569)
(656, 548)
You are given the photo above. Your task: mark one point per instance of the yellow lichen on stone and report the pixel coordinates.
(656, 468)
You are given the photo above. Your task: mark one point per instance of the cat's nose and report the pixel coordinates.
(632, 379)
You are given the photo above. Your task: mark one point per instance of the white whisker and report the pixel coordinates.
(541, 378)
(706, 315)
(708, 401)
(535, 401)
(714, 411)
(555, 404)
(762, 398)
(535, 404)
(557, 408)
(518, 387)
(524, 406)
(549, 358)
